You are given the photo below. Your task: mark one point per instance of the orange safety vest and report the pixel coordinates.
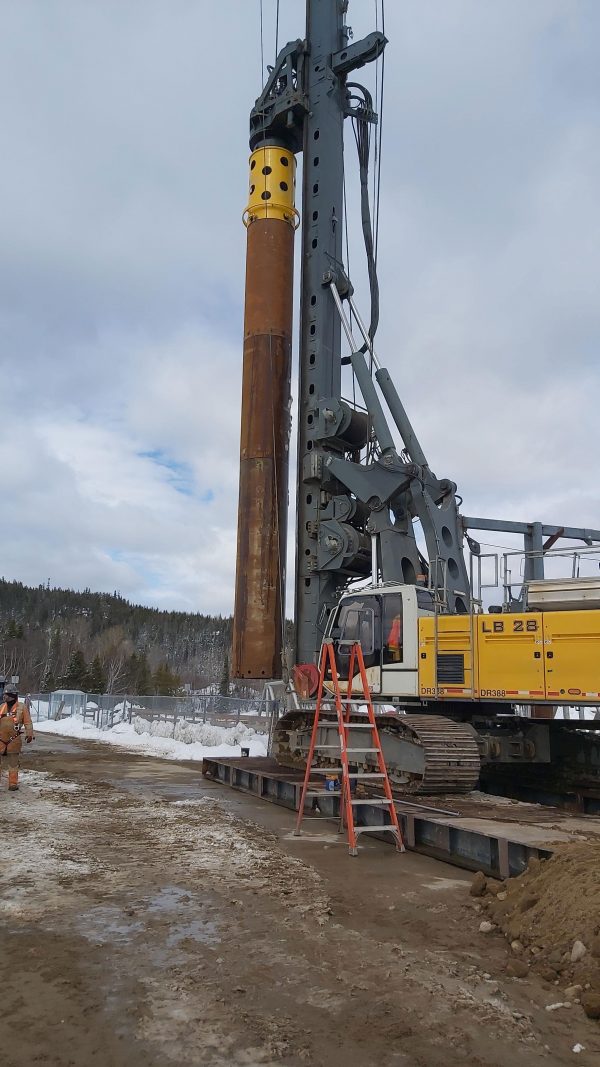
(394, 641)
(18, 718)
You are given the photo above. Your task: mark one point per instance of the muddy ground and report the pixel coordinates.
(148, 917)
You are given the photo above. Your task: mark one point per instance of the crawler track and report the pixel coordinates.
(423, 753)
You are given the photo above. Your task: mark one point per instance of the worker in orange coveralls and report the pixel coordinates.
(14, 718)
(394, 641)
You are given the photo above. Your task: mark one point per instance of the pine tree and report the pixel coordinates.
(49, 679)
(144, 676)
(96, 680)
(131, 678)
(48, 682)
(225, 683)
(139, 675)
(165, 682)
(75, 676)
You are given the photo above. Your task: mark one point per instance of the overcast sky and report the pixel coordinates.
(123, 179)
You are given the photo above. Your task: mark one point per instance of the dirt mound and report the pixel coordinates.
(555, 902)
(550, 914)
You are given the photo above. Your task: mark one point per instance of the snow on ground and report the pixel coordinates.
(191, 741)
(573, 712)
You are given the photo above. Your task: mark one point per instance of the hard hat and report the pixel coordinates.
(11, 690)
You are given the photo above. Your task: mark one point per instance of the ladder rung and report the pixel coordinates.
(372, 800)
(358, 726)
(352, 750)
(323, 793)
(366, 774)
(375, 829)
(336, 747)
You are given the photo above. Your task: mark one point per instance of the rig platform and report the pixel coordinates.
(477, 831)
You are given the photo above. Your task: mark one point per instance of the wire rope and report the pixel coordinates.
(262, 51)
(376, 132)
(376, 205)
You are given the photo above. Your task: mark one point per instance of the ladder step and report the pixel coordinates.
(327, 770)
(358, 726)
(351, 774)
(352, 750)
(372, 800)
(375, 829)
(323, 793)
(335, 748)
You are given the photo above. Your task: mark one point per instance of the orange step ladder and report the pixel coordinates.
(348, 803)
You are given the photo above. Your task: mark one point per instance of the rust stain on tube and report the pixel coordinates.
(264, 451)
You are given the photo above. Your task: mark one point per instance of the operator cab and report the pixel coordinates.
(384, 620)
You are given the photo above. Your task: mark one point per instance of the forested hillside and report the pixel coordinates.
(100, 642)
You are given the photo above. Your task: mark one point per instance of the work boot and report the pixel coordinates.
(13, 780)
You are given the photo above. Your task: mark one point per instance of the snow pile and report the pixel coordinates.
(216, 741)
(190, 732)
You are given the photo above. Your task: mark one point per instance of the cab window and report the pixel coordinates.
(357, 625)
(393, 628)
(359, 620)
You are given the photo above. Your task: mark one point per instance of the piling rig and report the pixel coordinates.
(453, 677)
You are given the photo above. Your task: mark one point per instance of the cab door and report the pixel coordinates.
(399, 643)
(359, 620)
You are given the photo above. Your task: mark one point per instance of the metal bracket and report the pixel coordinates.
(279, 111)
(358, 54)
(372, 483)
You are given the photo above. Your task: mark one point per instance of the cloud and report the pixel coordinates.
(122, 272)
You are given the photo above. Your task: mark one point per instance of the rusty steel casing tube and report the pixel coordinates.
(265, 424)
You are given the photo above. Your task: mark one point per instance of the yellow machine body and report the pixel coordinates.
(521, 658)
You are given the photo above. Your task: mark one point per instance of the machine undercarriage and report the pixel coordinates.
(434, 754)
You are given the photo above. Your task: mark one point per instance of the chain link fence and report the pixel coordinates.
(105, 710)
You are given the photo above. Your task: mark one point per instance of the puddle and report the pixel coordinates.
(104, 924)
(169, 898)
(198, 930)
(320, 839)
(109, 924)
(172, 899)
